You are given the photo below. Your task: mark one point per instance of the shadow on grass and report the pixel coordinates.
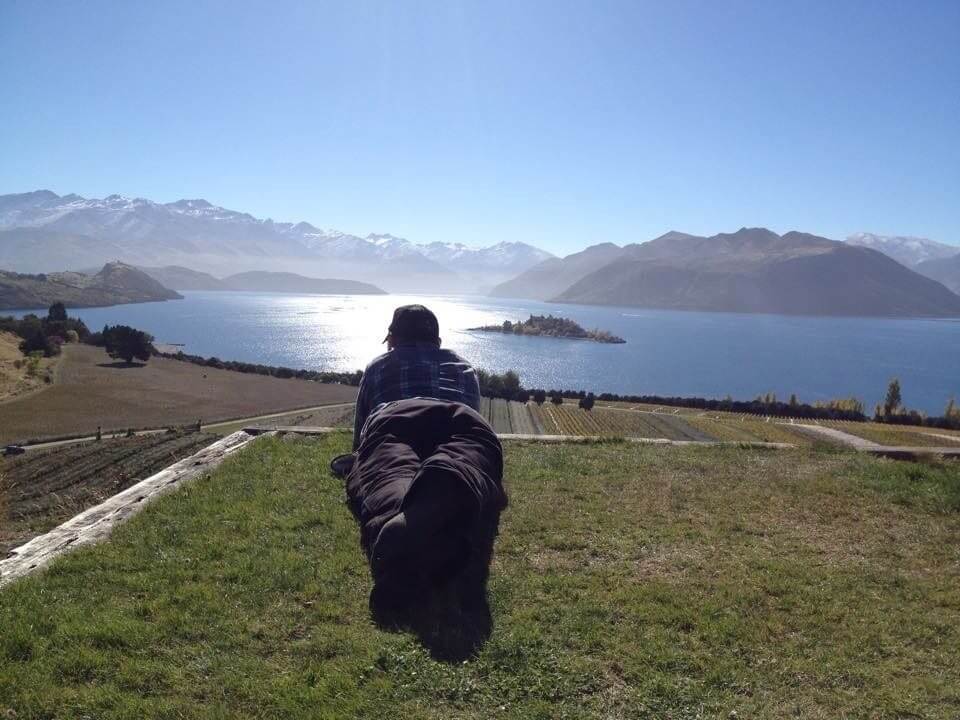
(121, 364)
(451, 618)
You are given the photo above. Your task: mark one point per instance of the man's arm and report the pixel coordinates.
(361, 413)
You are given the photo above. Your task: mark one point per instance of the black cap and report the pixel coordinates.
(414, 323)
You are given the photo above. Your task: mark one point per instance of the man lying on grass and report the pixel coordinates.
(426, 475)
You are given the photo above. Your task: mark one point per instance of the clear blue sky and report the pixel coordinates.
(559, 123)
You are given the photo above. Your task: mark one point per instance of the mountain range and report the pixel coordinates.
(115, 284)
(42, 231)
(751, 270)
(184, 243)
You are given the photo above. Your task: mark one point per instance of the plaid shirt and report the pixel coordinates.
(415, 370)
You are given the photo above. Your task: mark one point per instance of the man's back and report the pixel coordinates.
(415, 369)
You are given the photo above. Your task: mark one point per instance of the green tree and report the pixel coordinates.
(507, 326)
(587, 402)
(952, 409)
(38, 341)
(892, 402)
(539, 396)
(511, 385)
(123, 341)
(556, 398)
(57, 312)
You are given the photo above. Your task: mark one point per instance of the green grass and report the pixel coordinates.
(662, 582)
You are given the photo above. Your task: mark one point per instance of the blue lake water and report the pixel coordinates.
(667, 352)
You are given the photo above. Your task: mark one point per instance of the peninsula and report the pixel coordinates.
(116, 284)
(550, 326)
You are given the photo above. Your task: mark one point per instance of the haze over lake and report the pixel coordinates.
(667, 352)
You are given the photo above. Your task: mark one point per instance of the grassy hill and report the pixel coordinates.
(115, 284)
(663, 582)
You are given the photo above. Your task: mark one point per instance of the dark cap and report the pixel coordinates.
(414, 323)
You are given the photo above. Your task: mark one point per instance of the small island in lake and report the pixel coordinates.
(550, 326)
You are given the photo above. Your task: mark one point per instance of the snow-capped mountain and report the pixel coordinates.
(496, 257)
(909, 251)
(459, 257)
(42, 231)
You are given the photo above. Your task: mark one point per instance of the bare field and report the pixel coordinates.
(43, 488)
(747, 429)
(93, 390)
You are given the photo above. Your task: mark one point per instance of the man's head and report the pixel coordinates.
(413, 323)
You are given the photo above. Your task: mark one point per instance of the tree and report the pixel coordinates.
(123, 341)
(507, 326)
(511, 385)
(57, 312)
(587, 402)
(37, 341)
(539, 396)
(893, 400)
(793, 400)
(952, 409)
(556, 398)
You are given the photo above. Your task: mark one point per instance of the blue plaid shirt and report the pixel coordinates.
(415, 370)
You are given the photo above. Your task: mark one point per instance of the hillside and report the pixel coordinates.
(17, 374)
(757, 271)
(260, 281)
(115, 284)
(181, 278)
(176, 277)
(554, 275)
(628, 581)
(944, 270)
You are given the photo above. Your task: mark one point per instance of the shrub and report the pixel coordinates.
(33, 363)
(39, 342)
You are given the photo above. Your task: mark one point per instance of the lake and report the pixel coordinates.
(667, 352)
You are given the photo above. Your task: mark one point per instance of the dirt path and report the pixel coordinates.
(839, 436)
(951, 438)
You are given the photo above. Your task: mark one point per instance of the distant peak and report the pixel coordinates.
(674, 235)
(756, 231)
(194, 203)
